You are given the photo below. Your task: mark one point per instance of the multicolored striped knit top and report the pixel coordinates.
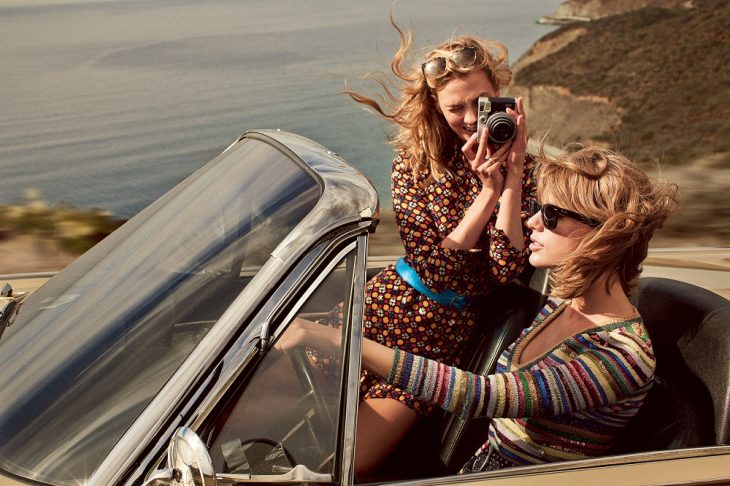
(570, 403)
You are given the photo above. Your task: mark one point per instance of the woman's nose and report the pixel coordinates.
(535, 221)
(470, 117)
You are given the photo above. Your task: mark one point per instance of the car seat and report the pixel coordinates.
(689, 404)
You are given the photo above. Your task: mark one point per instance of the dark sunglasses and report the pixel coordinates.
(462, 57)
(551, 214)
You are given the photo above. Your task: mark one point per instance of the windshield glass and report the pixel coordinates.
(91, 348)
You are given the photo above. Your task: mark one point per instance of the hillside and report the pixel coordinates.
(663, 75)
(652, 83)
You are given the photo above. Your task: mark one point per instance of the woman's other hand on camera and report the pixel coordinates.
(515, 159)
(486, 161)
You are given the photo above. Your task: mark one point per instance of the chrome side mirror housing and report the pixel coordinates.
(189, 463)
(9, 305)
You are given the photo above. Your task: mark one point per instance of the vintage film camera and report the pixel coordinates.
(491, 114)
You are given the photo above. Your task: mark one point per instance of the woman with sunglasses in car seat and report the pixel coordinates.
(460, 204)
(576, 376)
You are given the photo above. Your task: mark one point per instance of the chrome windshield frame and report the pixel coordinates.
(348, 198)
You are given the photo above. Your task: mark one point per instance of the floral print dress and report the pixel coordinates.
(397, 315)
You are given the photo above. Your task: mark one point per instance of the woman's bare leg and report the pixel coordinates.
(381, 424)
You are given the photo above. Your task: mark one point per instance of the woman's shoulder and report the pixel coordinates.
(551, 305)
(402, 161)
(401, 172)
(628, 335)
(405, 167)
(632, 325)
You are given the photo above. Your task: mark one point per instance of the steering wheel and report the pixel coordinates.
(257, 455)
(305, 375)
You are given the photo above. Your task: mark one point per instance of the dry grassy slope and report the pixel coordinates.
(651, 83)
(663, 74)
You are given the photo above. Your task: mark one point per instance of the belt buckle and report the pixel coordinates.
(459, 302)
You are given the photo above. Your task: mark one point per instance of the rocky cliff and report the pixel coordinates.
(648, 78)
(584, 10)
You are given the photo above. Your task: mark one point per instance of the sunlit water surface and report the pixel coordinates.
(110, 104)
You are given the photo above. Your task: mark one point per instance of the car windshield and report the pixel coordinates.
(91, 348)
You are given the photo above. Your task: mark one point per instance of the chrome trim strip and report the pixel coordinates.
(229, 375)
(354, 353)
(602, 464)
(298, 474)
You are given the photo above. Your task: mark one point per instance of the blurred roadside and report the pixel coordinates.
(26, 261)
(704, 266)
(36, 237)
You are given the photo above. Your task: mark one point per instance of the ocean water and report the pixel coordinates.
(109, 104)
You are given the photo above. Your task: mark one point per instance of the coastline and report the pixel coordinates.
(701, 220)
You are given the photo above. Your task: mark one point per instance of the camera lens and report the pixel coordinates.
(502, 128)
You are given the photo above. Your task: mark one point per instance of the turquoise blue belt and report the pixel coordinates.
(447, 297)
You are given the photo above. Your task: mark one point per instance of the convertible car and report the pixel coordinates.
(151, 360)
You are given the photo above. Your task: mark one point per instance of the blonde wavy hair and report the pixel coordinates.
(421, 129)
(609, 188)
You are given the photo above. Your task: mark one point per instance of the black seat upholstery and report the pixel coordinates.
(689, 404)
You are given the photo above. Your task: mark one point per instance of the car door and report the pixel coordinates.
(279, 416)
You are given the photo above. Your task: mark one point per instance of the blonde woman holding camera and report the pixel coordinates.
(460, 204)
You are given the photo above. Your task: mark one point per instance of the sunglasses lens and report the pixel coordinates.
(465, 57)
(435, 67)
(550, 216)
(462, 58)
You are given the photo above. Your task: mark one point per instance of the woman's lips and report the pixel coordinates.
(534, 245)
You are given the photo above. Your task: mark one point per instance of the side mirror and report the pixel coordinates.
(189, 463)
(9, 304)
